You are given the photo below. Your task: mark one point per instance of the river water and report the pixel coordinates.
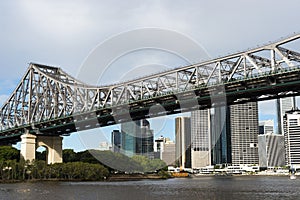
(244, 187)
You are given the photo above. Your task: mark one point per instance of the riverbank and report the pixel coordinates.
(134, 177)
(110, 178)
(140, 177)
(257, 174)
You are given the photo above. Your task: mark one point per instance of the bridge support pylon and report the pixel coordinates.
(53, 145)
(28, 146)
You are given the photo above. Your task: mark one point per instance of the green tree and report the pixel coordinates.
(70, 156)
(149, 165)
(117, 161)
(41, 155)
(157, 165)
(86, 156)
(37, 168)
(9, 153)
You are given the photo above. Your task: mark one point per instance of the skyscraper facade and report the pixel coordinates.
(271, 150)
(130, 131)
(183, 142)
(164, 149)
(137, 138)
(266, 127)
(292, 138)
(210, 131)
(220, 136)
(159, 147)
(201, 138)
(116, 141)
(145, 140)
(244, 132)
(284, 105)
(168, 154)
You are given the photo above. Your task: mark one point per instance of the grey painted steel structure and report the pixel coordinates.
(53, 102)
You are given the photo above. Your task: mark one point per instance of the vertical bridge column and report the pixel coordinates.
(53, 145)
(28, 146)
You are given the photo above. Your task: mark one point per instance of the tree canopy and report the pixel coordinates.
(9, 153)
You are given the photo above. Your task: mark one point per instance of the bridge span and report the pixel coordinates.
(50, 103)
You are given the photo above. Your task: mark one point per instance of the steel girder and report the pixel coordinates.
(255, 62)
(47, 92)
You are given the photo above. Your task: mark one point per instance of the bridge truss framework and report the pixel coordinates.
(51, 101)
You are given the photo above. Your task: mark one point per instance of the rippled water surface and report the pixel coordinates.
(190, 188)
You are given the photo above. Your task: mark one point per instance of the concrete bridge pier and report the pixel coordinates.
(28, 146)
(53, 145)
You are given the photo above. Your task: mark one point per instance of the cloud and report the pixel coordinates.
(57, 19)
(267, 107)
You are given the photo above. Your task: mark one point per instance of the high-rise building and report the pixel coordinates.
(210, 132)
(292, 138)
(244, 132)
(283, 105)
(137, 138)
(168, 154)
(183, 141)
(158, 148)
(201, 138)
(145, 141)
(224, 135)
(116, 141)
(164, 149)
(271, 150)
(220, 135)
(266, 127)
(130, 131)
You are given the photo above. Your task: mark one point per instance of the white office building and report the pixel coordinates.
(183, 141)
(244, 132)
(292, 138)
(201, 138)
(284, 105)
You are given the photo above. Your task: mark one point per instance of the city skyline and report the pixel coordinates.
(167, 128)
(260, 145)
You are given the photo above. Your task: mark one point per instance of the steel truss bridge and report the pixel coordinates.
(49, 101)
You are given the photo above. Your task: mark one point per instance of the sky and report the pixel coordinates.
(66, 33)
